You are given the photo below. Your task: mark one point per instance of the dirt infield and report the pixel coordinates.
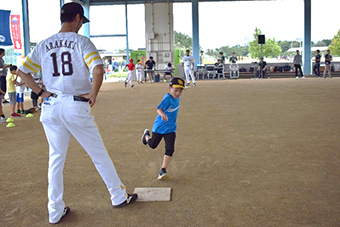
(248, 153)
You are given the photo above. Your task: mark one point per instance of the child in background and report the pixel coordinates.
(169, 70)
(131, 67)
(20, 95)
(2, 116)
(38, 79)
(11, 81)
(139, 68)
(165, 124)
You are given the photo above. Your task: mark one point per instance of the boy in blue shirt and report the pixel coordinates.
(165, 124)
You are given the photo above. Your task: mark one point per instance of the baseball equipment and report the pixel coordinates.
(10, 125)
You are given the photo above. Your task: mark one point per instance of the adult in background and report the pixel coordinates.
(150, 68)
(222, 58)
(3, 73)
(317, 60)
(233, 58)
(262, 68)
(297, 62)
(328, 60)
(188, 64)
(66, 69)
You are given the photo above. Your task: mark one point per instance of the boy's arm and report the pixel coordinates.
(162, 114)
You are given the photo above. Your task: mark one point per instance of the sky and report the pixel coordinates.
(220, 23)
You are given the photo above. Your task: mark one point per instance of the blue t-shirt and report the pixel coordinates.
(170, 106)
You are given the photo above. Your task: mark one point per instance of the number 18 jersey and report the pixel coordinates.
(66, 60)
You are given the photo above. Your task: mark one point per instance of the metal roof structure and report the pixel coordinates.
(123, 2)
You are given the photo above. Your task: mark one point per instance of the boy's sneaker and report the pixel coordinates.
(22, 112)
(163, 175)
(146, 133)
(188, 84)
(132, 86)
(15, 115)
(194, 84)
(2, 120)
(303, 77)
(65, 212)
(130, 200)
(125, 83)
(18, 111)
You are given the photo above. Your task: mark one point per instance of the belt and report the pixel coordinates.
(75, 98)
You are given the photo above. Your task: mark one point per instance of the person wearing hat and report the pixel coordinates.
(66, 60)
(165, 124)
(131, 67)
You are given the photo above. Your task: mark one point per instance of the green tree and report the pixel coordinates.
(183, 42)
(269, 49)
(335, 45)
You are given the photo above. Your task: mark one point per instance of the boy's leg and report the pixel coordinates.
(154, 140)
(169, 150)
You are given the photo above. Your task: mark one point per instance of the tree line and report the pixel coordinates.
(270, 49)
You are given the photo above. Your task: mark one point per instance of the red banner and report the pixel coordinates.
(16, 34)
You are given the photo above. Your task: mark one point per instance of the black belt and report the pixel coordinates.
(75, 98)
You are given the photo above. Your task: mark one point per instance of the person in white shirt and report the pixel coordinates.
(188, 64)
(169, 71)
(139, 75)
(66, 60)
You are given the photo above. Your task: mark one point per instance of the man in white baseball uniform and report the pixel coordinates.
(66, 60)
(188, 64)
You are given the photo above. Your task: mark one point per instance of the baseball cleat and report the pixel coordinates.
(146, 133)
(163, 175)
(130, 200)
(65, 212)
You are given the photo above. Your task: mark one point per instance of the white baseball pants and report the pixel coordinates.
(62, 117)
(139, 75)
(129, 77)
(188, 71)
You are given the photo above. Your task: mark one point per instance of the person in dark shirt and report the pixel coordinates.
(233, 58)
(150, 67)
(328, 60)
(222, 58)
(262, 68)
(316, 67)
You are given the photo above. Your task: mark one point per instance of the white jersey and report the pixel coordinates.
(66, 60)
(20, 88)
(188, 60)
(169, 69)
(139, 67)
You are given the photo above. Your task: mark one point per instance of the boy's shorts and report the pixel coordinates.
(12, 98)
(20, 97)
(169, 139)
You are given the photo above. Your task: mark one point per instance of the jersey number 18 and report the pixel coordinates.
(66, 63)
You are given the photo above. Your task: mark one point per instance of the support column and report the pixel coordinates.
(127, 35)
(86, 26)
(307, 56)
(26, 27)
(195, 33)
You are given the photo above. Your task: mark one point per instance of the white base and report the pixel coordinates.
(153, 194)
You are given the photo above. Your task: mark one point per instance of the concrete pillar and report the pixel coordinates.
(86, 27)
(195, 33)
(307, 56)
(159, 33)
(26, 27)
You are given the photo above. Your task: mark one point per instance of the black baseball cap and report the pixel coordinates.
(177, 82)
(73, 8)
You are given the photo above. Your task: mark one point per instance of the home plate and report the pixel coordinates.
(153, 194)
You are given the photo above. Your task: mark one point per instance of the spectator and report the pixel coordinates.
(328, 60)
(297, 62)
(316, 67)
(233, 59)
(262, 68)
(3, 73)
(11, 81)
(150, 67)
(222, 58)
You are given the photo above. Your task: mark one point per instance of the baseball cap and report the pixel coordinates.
(131, 60)
(73, 8)
(177, 82)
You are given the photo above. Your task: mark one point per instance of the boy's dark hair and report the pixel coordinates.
(151, 57)
(13, 67)
(2, 50)
(169, 64)
(221, 52)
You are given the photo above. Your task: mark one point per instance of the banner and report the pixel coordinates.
(16, 34)
(5, 34)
